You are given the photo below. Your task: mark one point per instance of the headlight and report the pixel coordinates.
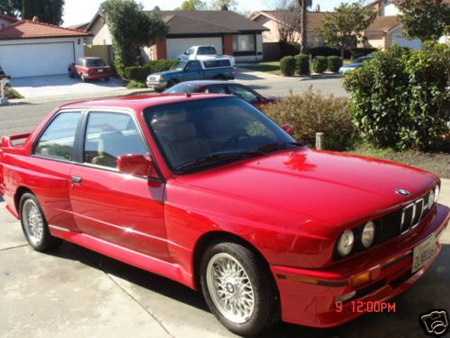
(345, 243)
(368, 234)
(431, 199)
(437, 190)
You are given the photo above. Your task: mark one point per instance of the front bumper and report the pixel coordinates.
(157, 85)
(308, 297)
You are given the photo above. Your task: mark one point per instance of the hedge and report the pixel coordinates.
(320, 64)
(334, 63)
(287, 65)
(140, 73)
(302, 66)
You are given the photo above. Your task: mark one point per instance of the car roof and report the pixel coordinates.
(139, 102)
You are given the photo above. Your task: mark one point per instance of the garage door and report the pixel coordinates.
(403, 42)
(177, 46)
(36, 59)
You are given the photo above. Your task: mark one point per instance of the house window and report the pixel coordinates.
(244, 43)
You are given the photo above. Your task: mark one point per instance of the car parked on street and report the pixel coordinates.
(221, 87)
(206, 190)
(90, 68)
(358, 63)
(217, 69)
(203, 53)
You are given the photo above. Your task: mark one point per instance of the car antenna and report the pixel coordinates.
(187, 93)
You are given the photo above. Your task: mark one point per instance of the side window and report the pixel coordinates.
(58, 139)
(193, 66)
(243, 93)
(109, 135)
(216, 90)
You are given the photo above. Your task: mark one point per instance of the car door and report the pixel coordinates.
(121, 209)
(192, 71)
(47, 171)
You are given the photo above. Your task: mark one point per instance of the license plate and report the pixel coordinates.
(423, 253)
(100, 70)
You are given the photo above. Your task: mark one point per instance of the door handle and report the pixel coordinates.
(77, 180)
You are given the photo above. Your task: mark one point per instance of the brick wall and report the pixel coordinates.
(228, 44)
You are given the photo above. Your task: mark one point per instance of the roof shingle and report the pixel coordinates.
(314, 19)
(383, 24)
(26, 29)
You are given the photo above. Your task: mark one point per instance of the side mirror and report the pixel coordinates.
(135, 164)
(288, 128)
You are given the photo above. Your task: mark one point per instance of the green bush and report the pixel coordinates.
(358, 52)
(287, 65)
(135, 84)
(140, 73)
(320, 64)
(399, 99)
(327, 51)
(334, 63)
(312, 112)
(302, 64)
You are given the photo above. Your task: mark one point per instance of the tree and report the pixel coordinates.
(49, 11)
(288, 23)
(11, 7)
(343, 28)
(224, 5)
(131, 29)
(425, 19)
(304, 5)
(191, 5)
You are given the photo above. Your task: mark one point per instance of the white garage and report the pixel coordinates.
(177, 46)
(400, 40)
(35, 49)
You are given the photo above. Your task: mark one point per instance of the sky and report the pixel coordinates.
(81, 11)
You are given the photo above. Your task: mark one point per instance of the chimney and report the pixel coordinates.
(317, 9)
(35, 19)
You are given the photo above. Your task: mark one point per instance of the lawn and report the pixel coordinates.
(438, 163)
(272, 67)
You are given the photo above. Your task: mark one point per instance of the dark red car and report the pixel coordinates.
(208, 191)
(90, 68)
(221, 87)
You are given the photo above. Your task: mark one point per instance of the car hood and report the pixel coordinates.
(331, 187)
(167, 72)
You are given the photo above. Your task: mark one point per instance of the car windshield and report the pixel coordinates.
(179, 65)
(198, 134)
(181, 88)
(95, 63)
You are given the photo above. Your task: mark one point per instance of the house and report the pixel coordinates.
(231, 34)
(284, 26)
(6, 21)
(32, 48)
(386, 29)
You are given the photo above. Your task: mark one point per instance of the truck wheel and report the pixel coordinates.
(239, 288)
(171, 83)
(220, 77)
(34, 224)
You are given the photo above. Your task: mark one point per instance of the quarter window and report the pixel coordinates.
(58, 139)
(110, 135)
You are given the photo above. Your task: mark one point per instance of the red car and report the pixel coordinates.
(208, 191)
(90, 68)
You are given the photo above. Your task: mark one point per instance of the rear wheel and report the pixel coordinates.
(220, 77)
(239, 289)
(171, 83)
(34, 224)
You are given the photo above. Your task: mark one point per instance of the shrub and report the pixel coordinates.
(320, 64)
(11, 93)
(140, 73)
(312, 112)
(327, 51)
(399, 99)
(334, 63)
(136, 84)
(358, 52)
(287, 65)
(302, 64)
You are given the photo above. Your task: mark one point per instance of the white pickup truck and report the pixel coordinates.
(203, 53)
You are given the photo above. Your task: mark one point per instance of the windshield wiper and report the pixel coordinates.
(265, 148)
(220, 156)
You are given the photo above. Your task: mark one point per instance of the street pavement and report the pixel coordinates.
(74, 292)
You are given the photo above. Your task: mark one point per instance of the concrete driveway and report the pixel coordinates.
(60, 85)
(74, 292)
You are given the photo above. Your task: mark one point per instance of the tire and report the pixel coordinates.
(220, 77)
(71, 74)
(38, 236)
(172, 83)
(256, 279)
(107, 78)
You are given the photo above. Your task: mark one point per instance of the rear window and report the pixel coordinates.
(217, 63)
(95, 63)
(181, 88)
(206, 51)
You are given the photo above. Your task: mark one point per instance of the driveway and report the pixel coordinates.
(60, 85)
(74, 292)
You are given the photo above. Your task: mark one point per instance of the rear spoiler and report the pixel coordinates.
(7, 141)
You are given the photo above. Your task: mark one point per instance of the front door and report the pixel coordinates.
(121, 209)
(192, 71)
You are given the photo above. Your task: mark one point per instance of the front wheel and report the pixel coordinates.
(34, 224)
(239, 289)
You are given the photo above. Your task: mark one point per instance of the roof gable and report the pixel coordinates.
(26, 29)
(8, 18)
